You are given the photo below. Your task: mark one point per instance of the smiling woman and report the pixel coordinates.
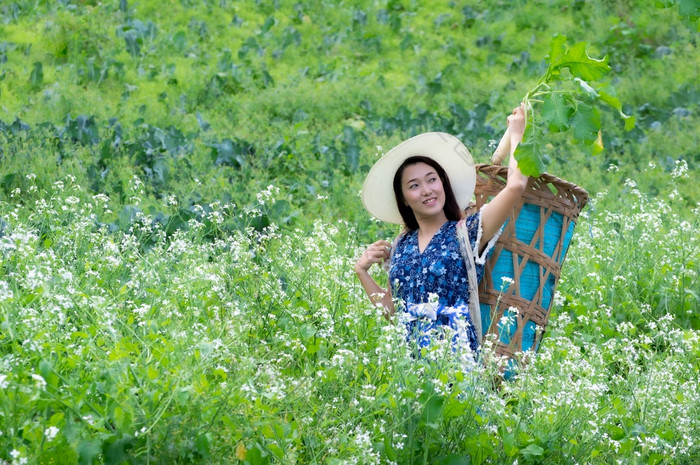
(436, 263)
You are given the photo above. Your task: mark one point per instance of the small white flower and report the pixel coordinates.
(40, 381)
(14, 453)
(5, 291)
(51, 432)
(681, 169)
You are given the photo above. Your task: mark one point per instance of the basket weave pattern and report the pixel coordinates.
(530, 251)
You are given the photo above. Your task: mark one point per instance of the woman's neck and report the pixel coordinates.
(427, 227)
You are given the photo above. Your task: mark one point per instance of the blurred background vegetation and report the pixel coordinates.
(214, 100)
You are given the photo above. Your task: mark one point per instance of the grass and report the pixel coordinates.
(153, 348)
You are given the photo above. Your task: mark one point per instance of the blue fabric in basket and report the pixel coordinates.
(525, 228)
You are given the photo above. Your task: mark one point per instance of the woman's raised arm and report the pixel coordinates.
(496, 212)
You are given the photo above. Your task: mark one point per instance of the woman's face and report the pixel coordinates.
(422, 190)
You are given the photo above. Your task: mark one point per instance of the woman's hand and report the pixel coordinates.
(495, 213)
(517, 120)
(516, 125)
(375, 253)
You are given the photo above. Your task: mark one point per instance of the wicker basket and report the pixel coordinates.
(530, 251)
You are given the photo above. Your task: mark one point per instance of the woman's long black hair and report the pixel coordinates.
(451, 208)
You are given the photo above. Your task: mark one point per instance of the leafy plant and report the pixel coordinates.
(568, 101)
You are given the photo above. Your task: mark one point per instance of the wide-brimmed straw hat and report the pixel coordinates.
(448, 151)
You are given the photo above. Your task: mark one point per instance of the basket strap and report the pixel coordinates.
(468, 256)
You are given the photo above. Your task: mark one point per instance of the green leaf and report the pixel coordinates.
(578, 62)
(453, 459)
(598, 144)
(615, 103)
(527, 153)
(556, 112)
(37, 75)
(115, 453)
(558, 49)
(690, 8)
(587, 88)
(88, 450)
(432, 411)
(454, 408)
(255, 457)
(586, 123)
(202, 444)
(532, 452)
(133, 42)
(616, 433)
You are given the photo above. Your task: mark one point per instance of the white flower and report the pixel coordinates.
(15, 453)
(40, 381)
(5, 291)
(51, 432)
(681, 169)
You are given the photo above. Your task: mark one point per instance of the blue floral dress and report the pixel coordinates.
(432, 286)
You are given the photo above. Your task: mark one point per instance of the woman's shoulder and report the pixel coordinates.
(472, 221)
(403, 237)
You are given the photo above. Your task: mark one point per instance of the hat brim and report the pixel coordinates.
(378, 191)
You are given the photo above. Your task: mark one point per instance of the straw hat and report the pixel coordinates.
(448, 151)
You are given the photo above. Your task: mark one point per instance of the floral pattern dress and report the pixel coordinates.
(432, 286)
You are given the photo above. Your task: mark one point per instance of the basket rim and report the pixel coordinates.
(500, 170)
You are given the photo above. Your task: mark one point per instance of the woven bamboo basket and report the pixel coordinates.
(530, 251)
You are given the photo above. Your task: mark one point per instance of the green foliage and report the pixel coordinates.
(564, 108)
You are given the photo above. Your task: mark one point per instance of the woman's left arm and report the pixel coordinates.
(496, 212)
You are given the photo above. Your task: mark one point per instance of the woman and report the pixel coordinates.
(426, 183)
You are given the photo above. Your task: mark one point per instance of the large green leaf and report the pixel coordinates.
(532, 452)
(586, 122)
(527, 153)
(578, 62)
(558, 49)
(690, 8)
(556, 112)
(88, 450)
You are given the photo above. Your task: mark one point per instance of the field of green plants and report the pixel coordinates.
(179, 219)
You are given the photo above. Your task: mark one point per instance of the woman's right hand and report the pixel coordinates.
(375, 253)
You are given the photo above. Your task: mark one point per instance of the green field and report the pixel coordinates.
(180, 216)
